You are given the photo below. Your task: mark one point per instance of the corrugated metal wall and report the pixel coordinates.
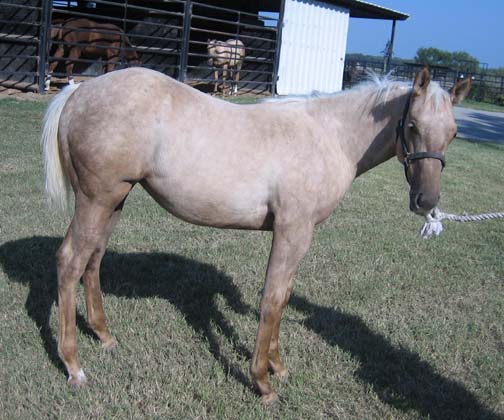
(312, 55)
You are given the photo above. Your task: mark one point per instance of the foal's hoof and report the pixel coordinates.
(282, 374)
(110, 345)
(270, 400)
(279, 371)
(77, 381)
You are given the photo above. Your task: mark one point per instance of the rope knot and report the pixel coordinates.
(433, 225)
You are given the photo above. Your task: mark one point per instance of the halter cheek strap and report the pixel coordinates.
(407, 156)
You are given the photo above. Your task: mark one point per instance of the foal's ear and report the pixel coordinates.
(460, 90)
(421, 82)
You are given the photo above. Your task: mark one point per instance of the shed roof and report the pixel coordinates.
(357, 8)
(366, 10)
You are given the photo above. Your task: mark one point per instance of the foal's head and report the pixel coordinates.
(424, 133)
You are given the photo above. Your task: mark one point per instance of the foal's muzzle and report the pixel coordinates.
(422, 203)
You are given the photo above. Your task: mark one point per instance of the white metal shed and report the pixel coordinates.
(313, 42)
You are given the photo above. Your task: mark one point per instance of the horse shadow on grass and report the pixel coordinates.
(397, 375)
(191, 286)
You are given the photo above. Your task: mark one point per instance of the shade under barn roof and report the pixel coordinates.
(363, 9)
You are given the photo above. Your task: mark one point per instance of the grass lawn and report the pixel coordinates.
(483, 106)
(381, 325)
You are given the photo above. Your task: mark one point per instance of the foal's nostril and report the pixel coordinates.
(414, 202)
(418, 201)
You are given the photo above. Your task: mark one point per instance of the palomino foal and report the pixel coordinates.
(279, 166)
(226, 54)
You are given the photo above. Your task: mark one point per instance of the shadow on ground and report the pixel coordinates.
(398, 376)
(189, 285)
(481, 126)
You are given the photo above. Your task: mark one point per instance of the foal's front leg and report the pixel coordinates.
(224, 77)
(290, 243)
(237, 79)
(59, 53)
(274, 360)
(216, 80)
(73, 54)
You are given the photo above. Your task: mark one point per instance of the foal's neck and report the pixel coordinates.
(369, 126)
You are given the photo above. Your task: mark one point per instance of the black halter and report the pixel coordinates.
(407, 156)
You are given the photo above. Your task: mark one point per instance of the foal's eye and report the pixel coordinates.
(412, 126)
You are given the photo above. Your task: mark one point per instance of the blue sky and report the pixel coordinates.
(476, 27)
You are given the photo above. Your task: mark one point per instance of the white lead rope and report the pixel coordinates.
(433, 225)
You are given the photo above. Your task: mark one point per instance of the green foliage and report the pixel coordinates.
(499, 71)
(433, 56)
(363, 57)
(372, 58)
(483, 106)
(458, 60)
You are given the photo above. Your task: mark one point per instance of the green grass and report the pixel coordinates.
(483, 106)
(244, 99)
(382, 324)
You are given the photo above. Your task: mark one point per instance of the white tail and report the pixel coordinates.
(57, 184)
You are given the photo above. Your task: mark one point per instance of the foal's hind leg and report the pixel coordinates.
(86, 230)
(94, 303)
(290, 243)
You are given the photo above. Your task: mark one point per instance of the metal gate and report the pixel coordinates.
(80, 39)
(20, 33)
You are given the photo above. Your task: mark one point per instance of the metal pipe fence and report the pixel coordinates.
(20, 32)
(61, 40)
(487, 87)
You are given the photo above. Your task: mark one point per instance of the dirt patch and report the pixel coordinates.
(244, 95)
(25, 94)
(22, 94)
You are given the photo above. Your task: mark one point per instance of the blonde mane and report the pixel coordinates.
(379, 88)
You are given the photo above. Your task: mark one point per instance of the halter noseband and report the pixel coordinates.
(409, 157)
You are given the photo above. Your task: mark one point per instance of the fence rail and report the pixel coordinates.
(20, 34)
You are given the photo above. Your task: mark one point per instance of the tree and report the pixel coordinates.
(433, 57)
(464, 62)
(458, 60)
